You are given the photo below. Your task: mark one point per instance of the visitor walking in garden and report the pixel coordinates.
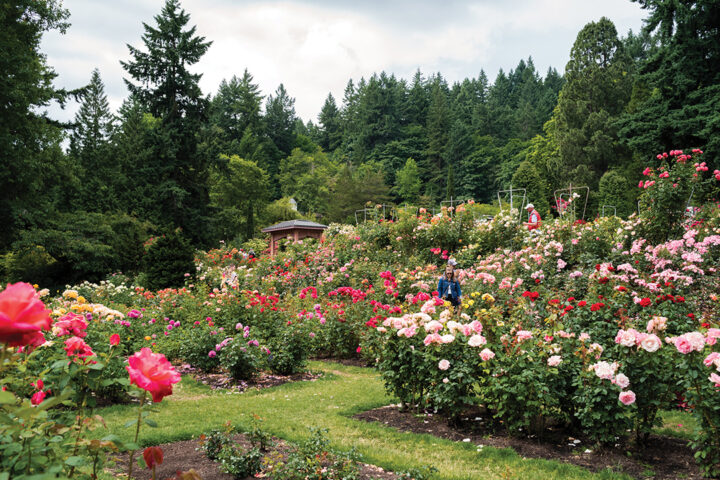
(534, 221)
(449, 287)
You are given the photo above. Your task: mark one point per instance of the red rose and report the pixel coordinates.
(78, 350)
(582, 303)
(596, 306)
(22, 316)
(645, 302)
(153, 456)
(114, 339)
(604, 280)
(38, 398)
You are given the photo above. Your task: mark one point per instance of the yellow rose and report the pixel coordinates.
(81, 299)
(147, 337)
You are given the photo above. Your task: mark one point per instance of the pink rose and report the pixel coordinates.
(604, 370)
(622, 381)
(152, 372)
(432, 338)
(554, 361)
(627, 397)
(433, 326)
(38, 398)
(651, 343)
(447, 338)
(712, 359)
(477, 340)
(487, 354)
(71, 324)
(78, 350)
(713, 334)
(683, 345)
(523, 335)
(444, 364)
(22, 316)
(715, 378)
(697, 340)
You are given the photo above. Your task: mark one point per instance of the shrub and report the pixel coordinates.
(288, 352)
(167, 261)
(242, 359)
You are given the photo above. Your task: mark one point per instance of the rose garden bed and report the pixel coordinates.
(665, 458)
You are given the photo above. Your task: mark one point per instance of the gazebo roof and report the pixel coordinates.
(293, 224)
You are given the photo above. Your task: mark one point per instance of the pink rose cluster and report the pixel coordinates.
(689, 342)
(632, 338)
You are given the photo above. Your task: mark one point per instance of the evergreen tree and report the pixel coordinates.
(678, 100)
(90, 146)
(171, 93)
(26, 86)
(280, 121)
(595, 94)
(235, 111)
(330, 125)
(438, 129)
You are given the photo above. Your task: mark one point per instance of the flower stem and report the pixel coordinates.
(137, 434)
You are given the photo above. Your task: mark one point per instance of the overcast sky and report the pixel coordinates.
(314, 47)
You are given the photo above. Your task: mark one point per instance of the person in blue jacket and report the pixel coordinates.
(449, 287)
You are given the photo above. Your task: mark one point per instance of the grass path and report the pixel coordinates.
(288, 411)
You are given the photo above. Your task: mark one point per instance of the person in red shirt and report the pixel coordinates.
(534, 221)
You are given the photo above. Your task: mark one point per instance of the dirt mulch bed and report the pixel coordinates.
(182, 456)
(222, 380)
(664, 459)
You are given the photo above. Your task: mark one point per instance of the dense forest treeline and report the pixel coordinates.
(221, 165)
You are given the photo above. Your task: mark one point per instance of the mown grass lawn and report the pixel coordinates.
(330, 402)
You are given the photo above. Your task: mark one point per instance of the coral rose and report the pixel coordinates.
(22, 316)
(152, 372)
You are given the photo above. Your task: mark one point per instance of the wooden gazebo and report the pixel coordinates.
(294, 230)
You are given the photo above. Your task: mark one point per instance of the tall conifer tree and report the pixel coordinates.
(167, 89)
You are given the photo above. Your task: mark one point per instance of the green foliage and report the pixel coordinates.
(596, 91)
(241, 359)
(306, 177)
(527, 177)
(167, 261)
(170, 92)
(26, 89)
(238, 192)
(101, 179)
(288, 351)
(408, 181)
(616, 190)
(76, 246)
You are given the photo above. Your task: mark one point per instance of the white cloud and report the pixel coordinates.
(315, 48)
